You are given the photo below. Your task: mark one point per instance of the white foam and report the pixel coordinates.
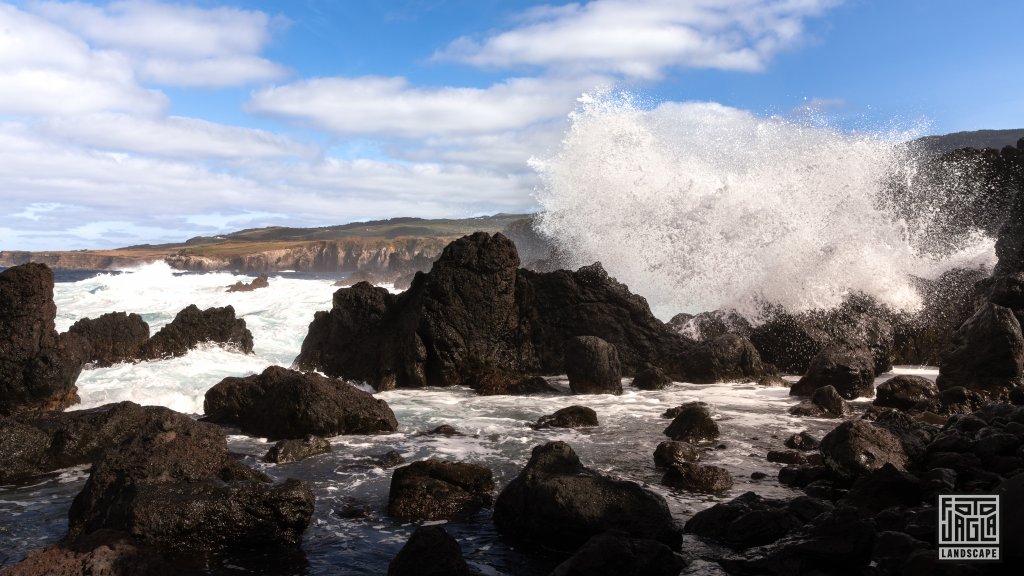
(698, 206)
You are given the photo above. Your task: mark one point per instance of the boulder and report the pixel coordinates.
(38, 367)
(260, 281)
(294, 450)
(987, 354)
(556, 503)
(283, 403)
(592, 366)
(172, 485)
(802, 441)
(616, 554)
(750, 520)
(570, 417)
(651, 378)
(437, 490)
(114, 337)
(693, 423)
(727, 358)
(477, 313)
(104, 552)
(884, 488)
(671, 452)
(697, 478)
(430, 551)
(825, 402)
(904, 391)
(192, 327)
(849, 370)
(711, 325)
(491, 381)
(857, 447)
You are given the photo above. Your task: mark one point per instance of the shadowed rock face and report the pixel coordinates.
(282, 403)
(38, 367)
(477, 312)
(437, 490)
(192, 326)
(114, 337)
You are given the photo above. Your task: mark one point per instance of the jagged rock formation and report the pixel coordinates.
(114, 337)
(192, 327)
(38, 367)
(476, 311)
(260, 281)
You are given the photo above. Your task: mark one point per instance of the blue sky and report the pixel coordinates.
(146, 122)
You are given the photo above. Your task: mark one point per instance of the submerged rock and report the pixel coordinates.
(260, 281)
(430, 551)
(592, 366)
(283, 403)
(192, 327)
(692, 423)
(556, 503)
(113, 338)
(570, 417)
(437, 490)
(294, 450)
(38, 367)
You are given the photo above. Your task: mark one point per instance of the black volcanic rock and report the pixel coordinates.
(558, 504)
(592, 366)
(476, 313)
(106, 552)
(711, 325)
(283, 403)
(437, 490)
(857, 447)
(114, 337)
(616, 554)
(430, 551)
(294, 450)
(691, 423)
(802, 441)
(987, 355)
(904, 391)
(697, 478)
(38, 367)
(569, 417)
(751, 520)
(260, 281)
(672, 452)
(849, 370)
(651, 378)
(192, 327)
(825, 402)
(173, 486)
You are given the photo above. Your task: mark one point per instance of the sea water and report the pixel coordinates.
(495, 430)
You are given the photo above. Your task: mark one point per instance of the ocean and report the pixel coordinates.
(495, 430)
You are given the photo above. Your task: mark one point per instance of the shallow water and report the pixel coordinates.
(496, 430)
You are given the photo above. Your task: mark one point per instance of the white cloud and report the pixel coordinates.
(391, 107)
(172, 136)
(46, 70)
(174, 44)
(643, 38)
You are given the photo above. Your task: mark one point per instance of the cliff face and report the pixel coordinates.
(79, 260)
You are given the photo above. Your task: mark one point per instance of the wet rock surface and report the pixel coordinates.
(193, 326)
(850, 370)
(692, 422)
(282, 403)
(592, 366)
(430, 551)
(294, 450)
(569, 417)
(437, 490)
(258, 282)
(113, 338)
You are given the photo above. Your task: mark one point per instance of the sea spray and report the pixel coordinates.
(698, 206)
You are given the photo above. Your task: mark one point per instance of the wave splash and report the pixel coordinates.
(698, 206)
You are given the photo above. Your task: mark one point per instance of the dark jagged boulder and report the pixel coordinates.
(32, 444)
(260, 281)
(569, 417)
(825, 402)
(904, 391)
(849, 370)
(113, 338)
(38, 367)
(651, 378)
(987, 354)
(173, 486)
(192, 327)
(671, 452)
(430, 551)
(294, 450)
(437, 490)
(948, 301)
(616, 554)
(592, 366)
(751, 520)
(104, 552)
(857, 447)
(884, 488)
(802, 441)
(556, 503)
(490, 381)
(697, 478)
(677, 322)
(475, 313)
(692, 423)
(727, 358)
(283, 403)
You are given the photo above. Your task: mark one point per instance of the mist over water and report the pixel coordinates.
(698, 206)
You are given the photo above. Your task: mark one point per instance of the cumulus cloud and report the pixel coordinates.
(174, 44)
(392, 107)
(643, 38)
(46, 70)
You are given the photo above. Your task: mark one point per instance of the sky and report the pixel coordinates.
(133, 122)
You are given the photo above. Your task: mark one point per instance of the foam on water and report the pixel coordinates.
(698, 206)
